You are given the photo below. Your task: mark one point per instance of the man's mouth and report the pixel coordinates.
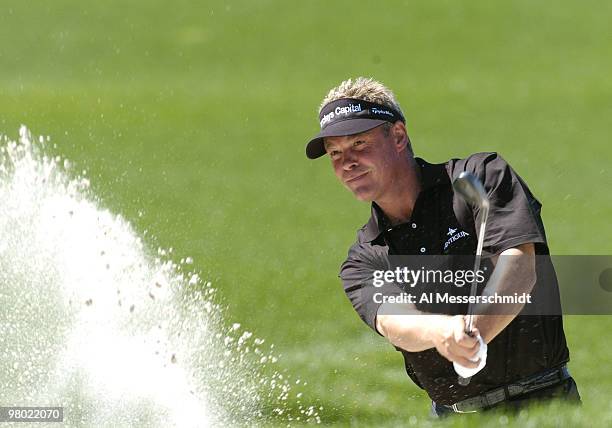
(356, 177)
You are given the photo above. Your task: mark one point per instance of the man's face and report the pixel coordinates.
(365, 163)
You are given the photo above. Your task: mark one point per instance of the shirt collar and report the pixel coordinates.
(431, 175)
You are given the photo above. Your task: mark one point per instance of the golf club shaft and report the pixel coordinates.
(474, 287)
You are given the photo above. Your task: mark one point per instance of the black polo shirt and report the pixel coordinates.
(530, 343)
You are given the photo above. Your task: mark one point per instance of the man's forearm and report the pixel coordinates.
(514, 273)
(491, 325)
(411, 332)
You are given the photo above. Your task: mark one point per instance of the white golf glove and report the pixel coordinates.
(482, 354)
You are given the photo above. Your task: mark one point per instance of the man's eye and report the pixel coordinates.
(358, 143)
(334, 153)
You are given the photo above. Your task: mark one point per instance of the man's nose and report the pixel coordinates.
(349, 161)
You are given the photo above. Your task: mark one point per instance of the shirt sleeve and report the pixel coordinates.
(357, 275)
(514, 213)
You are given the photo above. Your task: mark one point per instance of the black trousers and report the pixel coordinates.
(565, 390)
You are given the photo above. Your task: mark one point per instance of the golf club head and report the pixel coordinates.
(471, 189)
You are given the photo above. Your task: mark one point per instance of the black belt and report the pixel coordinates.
(495, 396)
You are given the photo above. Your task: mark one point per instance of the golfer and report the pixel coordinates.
(416, 212)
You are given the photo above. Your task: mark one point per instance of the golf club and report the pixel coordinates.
(472, 191)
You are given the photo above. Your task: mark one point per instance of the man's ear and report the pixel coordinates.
(400, 136)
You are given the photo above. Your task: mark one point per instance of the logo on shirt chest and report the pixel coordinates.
(454, 236)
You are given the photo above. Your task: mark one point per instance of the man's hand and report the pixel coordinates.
(453, 343)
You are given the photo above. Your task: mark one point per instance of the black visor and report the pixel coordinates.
(349, 116)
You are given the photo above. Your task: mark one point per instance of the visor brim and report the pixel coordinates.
(315, 148)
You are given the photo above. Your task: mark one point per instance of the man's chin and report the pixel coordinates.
(363, 194)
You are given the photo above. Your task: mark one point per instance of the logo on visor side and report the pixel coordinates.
(378, 111)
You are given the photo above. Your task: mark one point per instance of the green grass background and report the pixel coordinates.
(195, 114)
